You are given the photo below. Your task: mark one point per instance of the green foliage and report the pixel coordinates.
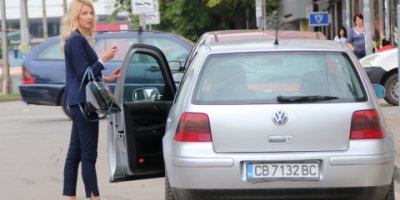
(191, 18)
(10, 97)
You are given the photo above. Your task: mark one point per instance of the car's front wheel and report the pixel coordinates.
(392, 89)
(168, 191)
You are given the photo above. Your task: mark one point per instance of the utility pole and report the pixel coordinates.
(44, 21)
(24, 26)
(387, 19)
(65, 6)
(348, 17)
(4, 42)
(367, 28)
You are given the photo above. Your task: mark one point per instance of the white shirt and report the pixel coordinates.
(342, 39)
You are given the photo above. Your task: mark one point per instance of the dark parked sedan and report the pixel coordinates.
(44, 67)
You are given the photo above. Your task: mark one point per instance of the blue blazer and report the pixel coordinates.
(78, 56)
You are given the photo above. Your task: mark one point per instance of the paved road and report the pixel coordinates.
(33, 144)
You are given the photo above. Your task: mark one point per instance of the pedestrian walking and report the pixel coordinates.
(356, 39)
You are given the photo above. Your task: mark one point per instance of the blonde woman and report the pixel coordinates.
(77, 39)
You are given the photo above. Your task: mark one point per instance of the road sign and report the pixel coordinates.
(23, 47)
(153, 18)
(141, 7)
(318, 19)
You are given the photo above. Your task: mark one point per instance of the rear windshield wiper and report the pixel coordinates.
(297, 99)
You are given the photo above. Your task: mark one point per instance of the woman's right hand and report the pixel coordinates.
(109, 53)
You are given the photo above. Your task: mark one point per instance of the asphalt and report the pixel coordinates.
(392, 119)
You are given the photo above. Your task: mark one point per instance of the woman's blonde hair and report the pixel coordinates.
(70, 21)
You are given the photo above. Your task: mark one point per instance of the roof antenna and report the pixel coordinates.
(277, 27)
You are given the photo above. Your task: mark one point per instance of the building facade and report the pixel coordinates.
(54, 12)
(382, 15)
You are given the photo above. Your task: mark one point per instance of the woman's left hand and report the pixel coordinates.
(114, 75)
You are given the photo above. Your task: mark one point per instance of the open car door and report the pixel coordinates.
(145, 92)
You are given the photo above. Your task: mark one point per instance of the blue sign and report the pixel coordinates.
(318, 19)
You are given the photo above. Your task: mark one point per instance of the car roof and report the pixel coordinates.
(263, 40)
(234, 35)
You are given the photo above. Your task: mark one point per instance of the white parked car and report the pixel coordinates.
(382, 68)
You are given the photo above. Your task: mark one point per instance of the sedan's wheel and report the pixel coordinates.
(390, 193)
(392, 90)
(168, 191)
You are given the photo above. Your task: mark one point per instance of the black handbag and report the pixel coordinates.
(99, 97)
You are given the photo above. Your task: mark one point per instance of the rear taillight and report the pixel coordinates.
(193, 127)
(27, 77)
(365, 124)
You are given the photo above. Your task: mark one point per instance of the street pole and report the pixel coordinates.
(6, 68)
(348, 17)
(398, 42)
(387, 19)
(367, 28)
(65, 6)
(24, 23)
(142, 21)
(44, 21)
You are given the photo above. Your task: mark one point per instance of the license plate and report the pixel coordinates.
(282, 171)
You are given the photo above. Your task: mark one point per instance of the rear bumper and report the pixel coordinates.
(375, 74)
(227, 171)
(356, 193)
(42, 94)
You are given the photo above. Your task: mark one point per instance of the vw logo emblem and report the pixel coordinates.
(279, 118)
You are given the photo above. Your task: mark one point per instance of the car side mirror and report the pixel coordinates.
(379, 91)
(146, 94)
(175, 65)
(177, 77)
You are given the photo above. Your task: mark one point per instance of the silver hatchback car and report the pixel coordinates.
(252, 120)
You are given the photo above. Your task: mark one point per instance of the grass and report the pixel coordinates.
(10, 97)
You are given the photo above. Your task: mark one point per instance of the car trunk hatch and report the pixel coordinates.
(308, 127)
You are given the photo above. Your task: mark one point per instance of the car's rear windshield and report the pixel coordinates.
(278, 77)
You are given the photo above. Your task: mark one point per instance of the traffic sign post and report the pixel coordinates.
(318, 19)
(141, 7)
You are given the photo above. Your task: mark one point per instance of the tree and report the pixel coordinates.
(191, 18)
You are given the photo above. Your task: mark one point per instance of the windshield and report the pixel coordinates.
(278, 77)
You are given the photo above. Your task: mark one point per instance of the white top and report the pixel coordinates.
(342, 39)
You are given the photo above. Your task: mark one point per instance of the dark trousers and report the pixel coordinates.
(82, 149)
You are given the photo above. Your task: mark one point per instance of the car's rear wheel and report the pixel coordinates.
(64, 107)
(168, 191)
(390, 193)
(392, 89)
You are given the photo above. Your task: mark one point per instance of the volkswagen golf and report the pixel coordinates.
(253, 118)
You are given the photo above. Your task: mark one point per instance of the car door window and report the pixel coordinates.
(52, 52)
(122, 44)
(172, 50)
(143, 72)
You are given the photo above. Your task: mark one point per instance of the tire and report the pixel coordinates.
(168, 191)
(390, 193)
(392, 87)
(65, 108)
